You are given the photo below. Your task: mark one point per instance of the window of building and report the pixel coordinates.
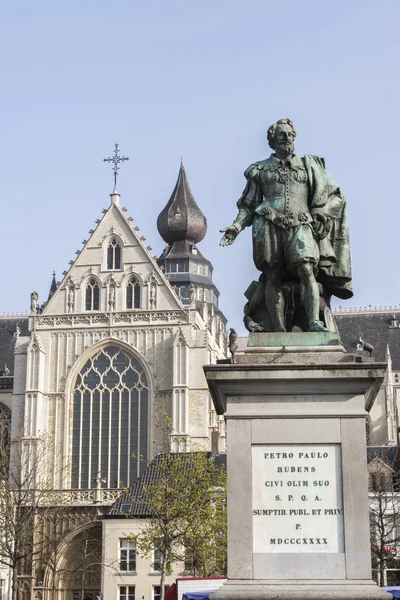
(177, 267)
(377, 482)
(127, 555)
(92, 295)
(157, 560)
(114, 255)
(5, 424)
(25, 592)
(110, 420)
(184, 292)
(157, 591)
(133, 293)
(126, 592)
(203, 270)
(2, 589)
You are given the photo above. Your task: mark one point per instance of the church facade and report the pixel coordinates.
(120, 342)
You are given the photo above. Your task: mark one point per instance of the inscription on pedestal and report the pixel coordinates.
(297, 498)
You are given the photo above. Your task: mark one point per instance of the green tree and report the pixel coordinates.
(185, 500)
(206, 550)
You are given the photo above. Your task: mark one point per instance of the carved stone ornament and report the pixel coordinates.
(34, 303)
(152, 279)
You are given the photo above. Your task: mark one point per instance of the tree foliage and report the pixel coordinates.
(186, 504)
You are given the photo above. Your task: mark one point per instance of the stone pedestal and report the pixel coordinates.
(297, 472)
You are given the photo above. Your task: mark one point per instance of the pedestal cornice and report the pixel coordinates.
(348, 379)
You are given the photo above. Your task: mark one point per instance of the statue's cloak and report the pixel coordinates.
(326, 198)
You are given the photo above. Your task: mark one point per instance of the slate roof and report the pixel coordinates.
(130, 504)
(192, 278)
(375, 329)
(388, 454)
(8, 327)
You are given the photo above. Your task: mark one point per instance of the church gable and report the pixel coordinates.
(114, 272)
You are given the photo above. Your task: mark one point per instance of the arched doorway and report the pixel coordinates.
(76, 574)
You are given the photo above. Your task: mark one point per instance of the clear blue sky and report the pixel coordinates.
(202, 80)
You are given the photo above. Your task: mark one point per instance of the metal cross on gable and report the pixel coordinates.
(115, 159)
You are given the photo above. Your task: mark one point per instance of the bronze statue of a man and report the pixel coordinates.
(300, 235)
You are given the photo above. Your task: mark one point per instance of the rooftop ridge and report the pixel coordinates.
(12, 315)
(366, 309)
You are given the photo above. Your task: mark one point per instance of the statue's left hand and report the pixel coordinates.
(321, 225)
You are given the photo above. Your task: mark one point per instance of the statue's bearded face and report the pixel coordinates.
(284, 140)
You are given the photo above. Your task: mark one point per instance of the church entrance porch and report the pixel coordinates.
(73, 571)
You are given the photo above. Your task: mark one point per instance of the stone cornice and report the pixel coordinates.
(84, 320)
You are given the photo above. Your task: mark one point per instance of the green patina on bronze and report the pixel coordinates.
(300, 238)
(293, 339)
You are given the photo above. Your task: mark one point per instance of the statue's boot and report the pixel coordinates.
(277, 318)
(275, 304)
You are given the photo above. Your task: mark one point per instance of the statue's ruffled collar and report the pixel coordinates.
(295, 163)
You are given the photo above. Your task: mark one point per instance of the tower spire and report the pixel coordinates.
(53, 286)
(182, 225)
(182, 220)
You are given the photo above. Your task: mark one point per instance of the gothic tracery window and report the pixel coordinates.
(5, 424)
(133, 293)
(92, 301)
(114, 254)
(110, 420)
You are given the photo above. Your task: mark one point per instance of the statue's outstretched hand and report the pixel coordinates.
(230, 234)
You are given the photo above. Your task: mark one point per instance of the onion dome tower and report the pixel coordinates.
(182, 222)
(182, 225)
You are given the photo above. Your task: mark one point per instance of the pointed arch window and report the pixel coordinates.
(110, 420)
(114, 254)
(133, 293)
(5, 430)
(5, 424)
(92, 300)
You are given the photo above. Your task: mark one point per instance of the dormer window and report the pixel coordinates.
(114, 255)
(92, 300)
(133, 293)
